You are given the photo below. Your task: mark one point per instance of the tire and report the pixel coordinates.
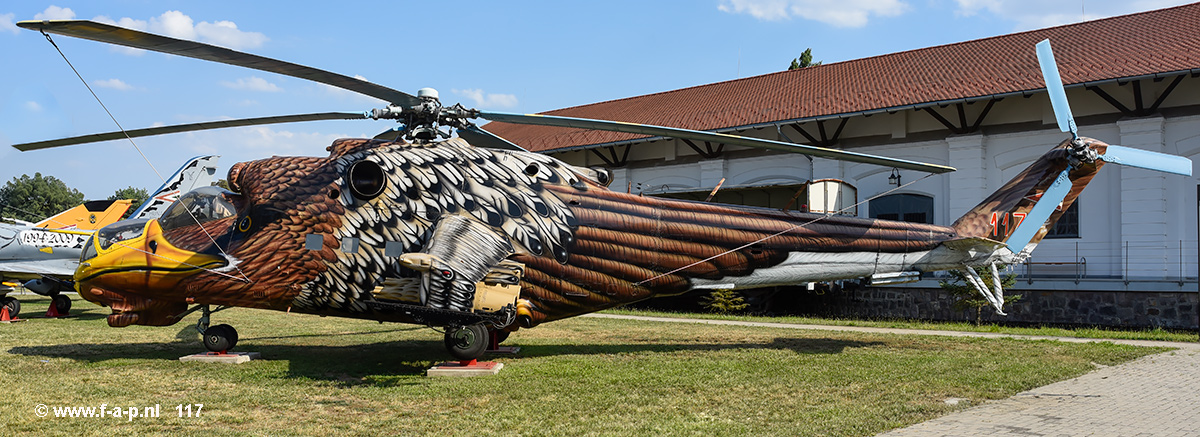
(466, 343)
(61, 303)
(13, 305)
(220, 338)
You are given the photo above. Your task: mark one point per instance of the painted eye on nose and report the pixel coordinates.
(244, 224)
(366, 180)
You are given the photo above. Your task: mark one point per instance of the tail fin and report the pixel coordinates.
(197, 172)
(88, 216)
(1021, 212)
(1008, 214)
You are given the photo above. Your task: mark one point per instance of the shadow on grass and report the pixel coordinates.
(391, 363)
(798, 345)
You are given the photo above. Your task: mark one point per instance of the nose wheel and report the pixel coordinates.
(466, 343)
(220, 338)
(61, 303)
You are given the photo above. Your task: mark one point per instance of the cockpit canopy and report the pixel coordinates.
(197, 207)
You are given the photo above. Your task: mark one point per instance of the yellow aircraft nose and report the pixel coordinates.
(137, 259)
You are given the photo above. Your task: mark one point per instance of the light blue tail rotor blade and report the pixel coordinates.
(1054, 86)
(1041, 212)
(1149, 160)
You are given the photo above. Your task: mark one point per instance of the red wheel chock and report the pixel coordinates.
(52, 312)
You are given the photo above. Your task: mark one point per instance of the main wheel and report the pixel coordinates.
(13, 305)
(220, 338)
(466, 343)
(61, 303)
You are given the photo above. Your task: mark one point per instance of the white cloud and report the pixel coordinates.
(55, 13)
(176, 24)
(116, 84)
(342, 93)
(843, 13)
(226, 34)
(33, 106)
(256, 142)
(1034, 14)
(487, 100)
(8, 25)
(252, 83)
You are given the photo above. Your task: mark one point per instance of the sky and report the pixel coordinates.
(517, 56)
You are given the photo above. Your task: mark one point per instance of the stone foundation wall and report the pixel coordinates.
(1127, 309)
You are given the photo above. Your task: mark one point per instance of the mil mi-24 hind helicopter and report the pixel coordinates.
(483, 239)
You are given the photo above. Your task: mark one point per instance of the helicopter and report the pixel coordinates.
(476, 235)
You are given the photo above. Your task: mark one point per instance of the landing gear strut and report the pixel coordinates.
(466, 343)
(220, 338)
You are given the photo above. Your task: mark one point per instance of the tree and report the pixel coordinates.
(222, 183)
(35, 198)
(967, 298)
(137, 195)
(805, 60)
(724, 302)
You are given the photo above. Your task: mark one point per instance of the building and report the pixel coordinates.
(979, 106)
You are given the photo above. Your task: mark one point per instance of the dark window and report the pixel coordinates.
(1067, 226)
(912, 208)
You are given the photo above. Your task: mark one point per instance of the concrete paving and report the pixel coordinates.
(1156, 395)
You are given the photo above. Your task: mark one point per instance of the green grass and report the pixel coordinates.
(1158, 334)
(574, 377)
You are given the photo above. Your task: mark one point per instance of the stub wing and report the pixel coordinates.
(33, 269)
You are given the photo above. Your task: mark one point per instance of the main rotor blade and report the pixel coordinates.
(137, 39)
(634, 128)
(1054, 86)
(25, 147)
(479, 137)
(1148, 160)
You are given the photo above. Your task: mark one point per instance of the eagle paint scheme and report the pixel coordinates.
(406, 232)
(443, 233)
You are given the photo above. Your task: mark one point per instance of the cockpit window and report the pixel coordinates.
(120, 231)
(197, 206)
(89, 249)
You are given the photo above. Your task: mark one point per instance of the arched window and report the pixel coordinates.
(912, 208)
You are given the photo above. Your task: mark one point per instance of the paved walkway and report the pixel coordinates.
(1156, 395)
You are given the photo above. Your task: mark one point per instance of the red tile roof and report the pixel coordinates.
(1160, 41)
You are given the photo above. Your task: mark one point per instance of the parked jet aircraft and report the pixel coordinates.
(433, 230)
(47, 253)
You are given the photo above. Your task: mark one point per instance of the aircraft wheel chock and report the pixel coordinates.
(466, 343)
(220, 338)
(61, 303)
(500, 336)
(13, 305)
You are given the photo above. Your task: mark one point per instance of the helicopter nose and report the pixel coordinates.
(141, 260)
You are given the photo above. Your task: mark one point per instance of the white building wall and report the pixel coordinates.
(1150, 215)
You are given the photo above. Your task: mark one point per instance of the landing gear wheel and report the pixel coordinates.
(466, 343)
(61, 303)
(220, 338)
(13, 305)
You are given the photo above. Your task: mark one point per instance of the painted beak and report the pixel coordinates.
(146, 261)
